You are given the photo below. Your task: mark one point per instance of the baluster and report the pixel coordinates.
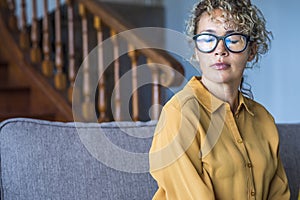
(71, 47)
(60, 77)
(47, 65)
(135, 101)
(101, 87)
(12, 21)
(117, 97)
(87, 107)
(24, 37)
(156, 103)
(35, 53)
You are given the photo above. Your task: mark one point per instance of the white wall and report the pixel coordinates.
(276, 83)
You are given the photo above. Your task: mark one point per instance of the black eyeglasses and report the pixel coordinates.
(234, 42)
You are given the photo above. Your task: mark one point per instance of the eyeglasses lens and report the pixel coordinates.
(235, 43)
(208, 42)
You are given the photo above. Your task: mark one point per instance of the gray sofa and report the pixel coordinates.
(52, 160)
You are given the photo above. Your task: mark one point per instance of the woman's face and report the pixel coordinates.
(221, 65)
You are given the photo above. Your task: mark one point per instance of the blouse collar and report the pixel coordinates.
(211, 102)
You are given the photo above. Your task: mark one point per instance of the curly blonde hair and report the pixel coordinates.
(246, 17)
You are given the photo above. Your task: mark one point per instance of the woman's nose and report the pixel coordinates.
(221, 49)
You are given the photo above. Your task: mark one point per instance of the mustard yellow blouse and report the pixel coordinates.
(201, 150)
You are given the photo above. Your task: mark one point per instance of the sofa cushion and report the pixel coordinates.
(52, 160)
(290, 155)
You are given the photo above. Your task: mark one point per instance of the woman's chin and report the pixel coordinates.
(221, 78)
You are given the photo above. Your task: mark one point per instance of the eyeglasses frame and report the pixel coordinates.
(248, 39)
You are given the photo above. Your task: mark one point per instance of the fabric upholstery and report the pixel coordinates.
(290, 155)
(47, 160)
(50, 160)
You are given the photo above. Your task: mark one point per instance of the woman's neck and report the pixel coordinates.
(227, 92)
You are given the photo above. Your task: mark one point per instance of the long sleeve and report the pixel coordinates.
(279, 188)
(174, 158)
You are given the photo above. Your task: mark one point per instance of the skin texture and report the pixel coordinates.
(222, 70)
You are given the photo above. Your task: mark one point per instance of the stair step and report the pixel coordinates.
(43, 116)
(14, 99)
(13, 85)
(3, 63)
(3, 72)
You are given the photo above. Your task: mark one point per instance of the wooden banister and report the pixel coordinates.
(64, 41)
(108, 16)
(15, 55)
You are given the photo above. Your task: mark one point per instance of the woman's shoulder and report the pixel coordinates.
(258, 109)
(185, 98)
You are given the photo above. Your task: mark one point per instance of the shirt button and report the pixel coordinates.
(249, 165)
(240, 141)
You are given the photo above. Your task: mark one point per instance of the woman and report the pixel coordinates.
(211, 141)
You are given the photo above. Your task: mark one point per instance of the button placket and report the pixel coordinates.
(252, 194)
(242, 148)
(234, 129)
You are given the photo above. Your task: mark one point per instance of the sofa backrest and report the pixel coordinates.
(290, 155)
(53, 160)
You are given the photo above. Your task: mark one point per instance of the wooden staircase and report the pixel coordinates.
(20, 98)
(30, 89)
(14, 99)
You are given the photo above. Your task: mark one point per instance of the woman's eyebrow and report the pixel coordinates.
(230, 31)
(213, 31)
(209, 31)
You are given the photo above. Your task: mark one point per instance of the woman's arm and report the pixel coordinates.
(174, 157)
(279, 188)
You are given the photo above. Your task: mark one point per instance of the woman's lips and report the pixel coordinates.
(220, 66)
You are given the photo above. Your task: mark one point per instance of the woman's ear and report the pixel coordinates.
(253, 51)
